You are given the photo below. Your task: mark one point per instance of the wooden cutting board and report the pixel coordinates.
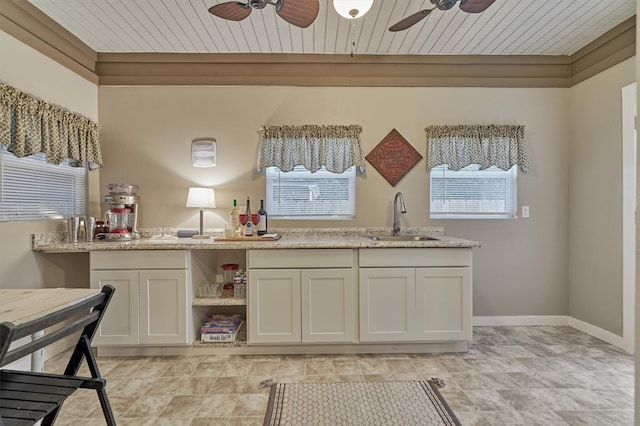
(256, 238)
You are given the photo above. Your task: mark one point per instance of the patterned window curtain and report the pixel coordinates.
(335, 147)
(492, 145)
(29, 125)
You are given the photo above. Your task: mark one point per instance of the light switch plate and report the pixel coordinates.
(525, 211)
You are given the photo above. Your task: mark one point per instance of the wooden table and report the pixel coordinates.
(21, 305)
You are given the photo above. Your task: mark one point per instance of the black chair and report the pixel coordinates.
(27, 397)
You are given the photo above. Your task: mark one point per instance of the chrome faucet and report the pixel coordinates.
(403, 209)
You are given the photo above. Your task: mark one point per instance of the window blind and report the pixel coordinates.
(473, 193)
(32, 189)
(300, 194)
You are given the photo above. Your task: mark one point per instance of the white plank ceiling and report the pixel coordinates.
(508, 27)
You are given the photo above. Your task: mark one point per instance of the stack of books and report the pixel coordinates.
(221, 328)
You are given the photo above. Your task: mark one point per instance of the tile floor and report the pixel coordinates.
(510, 376)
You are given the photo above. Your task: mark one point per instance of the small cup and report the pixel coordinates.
(167, 232)
(73, 228)
(156, 232)
(203, 291)
(89, 228)
(229, 230)
(213, 290)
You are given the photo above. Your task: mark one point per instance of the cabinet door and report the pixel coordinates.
(119, 326)
(327, 305)
(163, 307)
(443, 304)
(387, 304)
(274, 306)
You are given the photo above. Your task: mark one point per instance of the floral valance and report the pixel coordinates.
(335, 147)
(29, 125)
(490, 145)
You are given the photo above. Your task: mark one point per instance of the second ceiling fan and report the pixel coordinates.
(469, 6)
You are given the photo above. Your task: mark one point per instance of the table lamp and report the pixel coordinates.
(201, 198)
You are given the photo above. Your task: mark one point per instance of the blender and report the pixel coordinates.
(119, 218)
(122, 196)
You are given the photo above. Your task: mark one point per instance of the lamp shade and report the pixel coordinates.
(202, 198)
(352, 9)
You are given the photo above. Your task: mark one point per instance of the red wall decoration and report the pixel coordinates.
(393, 157)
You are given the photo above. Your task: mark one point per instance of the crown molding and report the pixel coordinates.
(333, 70)
(613, 47)
(28, 24)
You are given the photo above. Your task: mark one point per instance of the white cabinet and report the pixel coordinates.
(163, 307)
(387, 304)
(274, 306)
(119, 326)
(301, 296)
(328, 311)
(409, 295)
(150, 305)
(443, 303)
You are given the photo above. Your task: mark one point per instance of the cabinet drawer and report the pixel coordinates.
(415, 257)
(308, 258)
(139, 259)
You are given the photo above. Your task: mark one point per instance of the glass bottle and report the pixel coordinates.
(248, 228)
(234, 218)
(262, 224)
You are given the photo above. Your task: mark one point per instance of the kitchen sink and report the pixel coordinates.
(403, 238)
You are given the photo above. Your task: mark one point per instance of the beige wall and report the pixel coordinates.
(521, 268)
(595, 200)
(33, 73)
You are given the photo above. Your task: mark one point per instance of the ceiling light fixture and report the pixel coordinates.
(352, 9)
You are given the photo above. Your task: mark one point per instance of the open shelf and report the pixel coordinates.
(219, 301)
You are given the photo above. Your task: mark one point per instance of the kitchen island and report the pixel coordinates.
(311, 291)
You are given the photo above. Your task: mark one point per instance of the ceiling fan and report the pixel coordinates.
(469, 6)
(300, 13)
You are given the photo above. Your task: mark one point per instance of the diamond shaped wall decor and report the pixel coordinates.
(393, 157)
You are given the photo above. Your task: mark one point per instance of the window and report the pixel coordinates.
(471, 193)
(300, 194)
(32, 189)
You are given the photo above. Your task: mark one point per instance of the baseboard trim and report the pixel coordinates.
(521, 320)
(599, 333)
(479, 321)
(533, 320)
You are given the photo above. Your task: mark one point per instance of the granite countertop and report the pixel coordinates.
(302, 238)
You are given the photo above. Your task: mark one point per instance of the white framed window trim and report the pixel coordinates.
(471, 193)
(302, 195)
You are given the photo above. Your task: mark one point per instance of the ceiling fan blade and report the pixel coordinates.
(410, 20)
(231, 10)
(475, 6)
(300, 13)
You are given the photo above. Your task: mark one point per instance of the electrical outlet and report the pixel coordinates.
(525, 211)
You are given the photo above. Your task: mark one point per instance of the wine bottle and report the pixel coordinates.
(262, 224)
(248, 228)
(234, 217)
